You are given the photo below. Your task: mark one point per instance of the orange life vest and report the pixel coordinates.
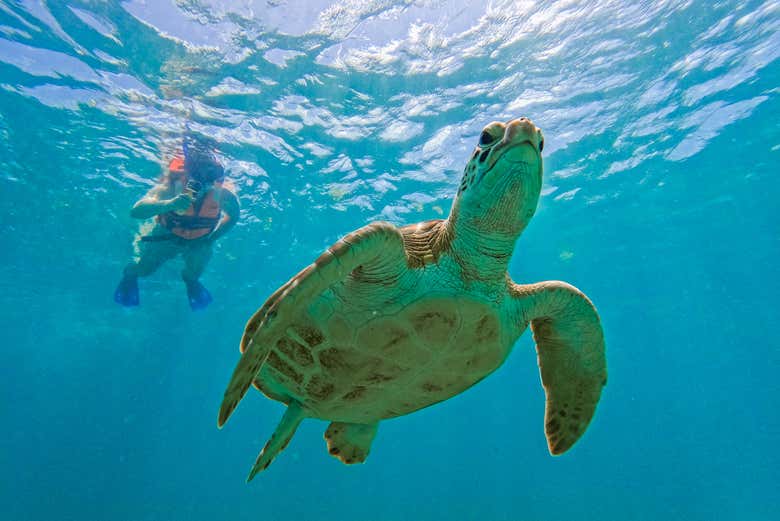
(201, 217)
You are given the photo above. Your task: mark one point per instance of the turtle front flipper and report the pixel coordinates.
(570, 347)
(377, 246)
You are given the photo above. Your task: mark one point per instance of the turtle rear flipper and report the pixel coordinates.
(350, 442)
(377, 244)
(279, 439)
(570, 347)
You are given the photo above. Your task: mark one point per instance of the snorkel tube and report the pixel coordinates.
(193, 185)
(185, 142)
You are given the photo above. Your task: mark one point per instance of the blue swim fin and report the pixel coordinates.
(198, 295)
(126, 292)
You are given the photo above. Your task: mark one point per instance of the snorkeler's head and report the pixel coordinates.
(202, 165)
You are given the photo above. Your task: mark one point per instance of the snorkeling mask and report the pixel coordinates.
(194, 186)
(200, 164)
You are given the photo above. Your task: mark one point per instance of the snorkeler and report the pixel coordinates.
(193, 205)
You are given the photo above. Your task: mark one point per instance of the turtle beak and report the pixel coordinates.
(523, 130)
(518, 134)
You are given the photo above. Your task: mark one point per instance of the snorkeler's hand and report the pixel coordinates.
(180, 202)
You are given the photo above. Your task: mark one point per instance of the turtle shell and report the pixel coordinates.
(362, 365)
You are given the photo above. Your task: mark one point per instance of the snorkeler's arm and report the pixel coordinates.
(156, 202)
(231, 209)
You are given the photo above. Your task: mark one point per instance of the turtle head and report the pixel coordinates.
(502, 181)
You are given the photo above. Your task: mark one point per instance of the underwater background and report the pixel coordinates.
(660, 201)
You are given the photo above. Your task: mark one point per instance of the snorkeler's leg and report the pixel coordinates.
(196, 257)
(149, 257)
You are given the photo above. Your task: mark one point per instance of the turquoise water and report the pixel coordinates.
(662, 146)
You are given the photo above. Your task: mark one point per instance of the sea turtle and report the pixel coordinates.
(390, 320)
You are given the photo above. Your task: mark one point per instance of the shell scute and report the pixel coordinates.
(320, 388)
(310, 335)
(284, 369)
(435, 326)
(295, 351)
(387, 339)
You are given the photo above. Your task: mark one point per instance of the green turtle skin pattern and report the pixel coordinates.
(390, 320)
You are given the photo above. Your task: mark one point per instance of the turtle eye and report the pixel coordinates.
(491, 134)
(541, 145)
(485, 138)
